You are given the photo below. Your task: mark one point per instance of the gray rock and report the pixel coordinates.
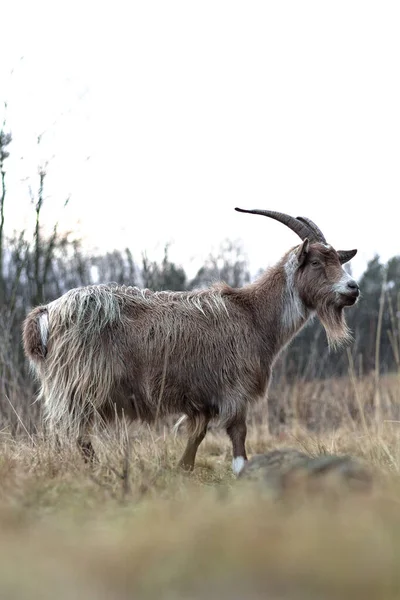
(287, 470)
(267, 466)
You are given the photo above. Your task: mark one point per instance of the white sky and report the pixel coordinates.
(158, 118)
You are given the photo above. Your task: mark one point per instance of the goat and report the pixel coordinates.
(109, 349)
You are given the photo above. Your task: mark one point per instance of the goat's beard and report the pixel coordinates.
(333, 319)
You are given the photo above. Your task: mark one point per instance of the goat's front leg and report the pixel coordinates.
(237, 431)
(197, 433)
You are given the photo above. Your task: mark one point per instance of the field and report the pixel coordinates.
(132, 526)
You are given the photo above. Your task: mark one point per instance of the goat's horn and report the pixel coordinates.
(346, 255)
(302, 230)
(319, 236)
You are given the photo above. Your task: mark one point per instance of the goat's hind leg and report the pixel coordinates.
(197, 428)
(60, 438)
(86, 449)
(84, 441)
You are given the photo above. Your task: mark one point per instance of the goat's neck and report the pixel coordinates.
(279, 305)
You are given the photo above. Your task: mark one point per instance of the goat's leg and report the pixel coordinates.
(237, 431)
(84, 442)
(86, 448)
(197, 433)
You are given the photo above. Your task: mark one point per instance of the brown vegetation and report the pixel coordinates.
(133, 526)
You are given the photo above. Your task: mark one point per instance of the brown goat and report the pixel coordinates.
(108, 349)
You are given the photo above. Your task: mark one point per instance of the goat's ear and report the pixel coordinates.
(346, 255)
(302, 252)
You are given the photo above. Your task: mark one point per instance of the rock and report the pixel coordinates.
(287, 470)
(267, 466)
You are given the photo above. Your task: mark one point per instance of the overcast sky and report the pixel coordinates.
(158, 118)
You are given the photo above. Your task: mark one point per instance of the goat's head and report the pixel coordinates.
(315, 271)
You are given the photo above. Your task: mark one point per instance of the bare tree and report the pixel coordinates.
(5, 140)
(228, 265)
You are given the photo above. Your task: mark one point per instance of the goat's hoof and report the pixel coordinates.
(185, 467)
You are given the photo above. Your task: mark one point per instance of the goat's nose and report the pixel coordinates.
(353, 285)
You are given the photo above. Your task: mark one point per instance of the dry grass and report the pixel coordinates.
(134, 527)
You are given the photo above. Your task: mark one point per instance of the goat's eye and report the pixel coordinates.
(315, 263)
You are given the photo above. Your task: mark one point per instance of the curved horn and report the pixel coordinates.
(319, 236)
(302, 230)
(346, 255)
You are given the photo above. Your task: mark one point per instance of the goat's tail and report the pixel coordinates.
(35, 334)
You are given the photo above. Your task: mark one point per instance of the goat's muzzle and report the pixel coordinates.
(350, 295)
